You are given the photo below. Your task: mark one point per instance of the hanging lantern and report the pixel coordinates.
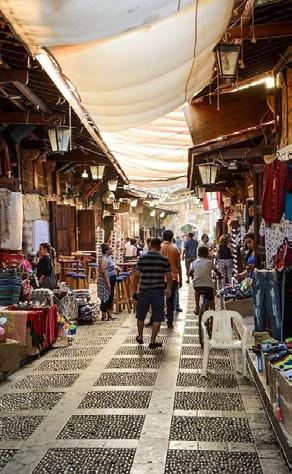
(208, 173)
(162, 214)
(112, 184)
(153, 213)
(227, 59)
(108, 197)
(116, 205)
(97, 171)
(200, 193)
(59, 139)
(84, 174)
(134, 203)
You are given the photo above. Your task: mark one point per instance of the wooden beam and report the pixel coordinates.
(15, 102)
(27, 92)
(77, 156)
(30, 118)
(241, 153)
(268, 30)
(12, 75)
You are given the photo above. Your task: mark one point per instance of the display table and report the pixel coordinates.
(35, 329)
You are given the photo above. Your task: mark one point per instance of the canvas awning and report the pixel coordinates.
(131, 61)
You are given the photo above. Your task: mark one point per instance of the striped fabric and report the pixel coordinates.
(10, 284)
(153, 266)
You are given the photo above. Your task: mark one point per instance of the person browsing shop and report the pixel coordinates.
(249, 257)
(170, 251)
(151, 270)
(201, 272)
(45, 269)
(225, 262)
(190, 253)
(106, 282)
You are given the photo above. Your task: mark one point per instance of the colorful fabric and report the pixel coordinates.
(15, 328)
(275, 175)
(10, 284)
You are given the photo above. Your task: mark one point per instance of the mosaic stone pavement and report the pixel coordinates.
(107, 405)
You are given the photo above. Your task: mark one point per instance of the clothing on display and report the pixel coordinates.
(10, 284)
(11, 216)
(275, 175)
(266, 298)
(31, 207)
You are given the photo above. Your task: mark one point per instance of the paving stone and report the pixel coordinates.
(211, 462)
(29, 401)
(116, 399)
(197, 363)
(131, 363)
(83, 341)
(187, 379)
(208, 401)
(197, 350)
(191, 340)
(5, 456)
(132, 339)
(86, 460)
(147, 331)
(127, 378)
(47, 381)
(18, 428)
(191, 331)
(76, 352)
(210, 429)
(103, 427)
(64, 365)
(138, 350)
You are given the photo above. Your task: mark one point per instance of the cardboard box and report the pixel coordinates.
(9, 356)
(286, 410)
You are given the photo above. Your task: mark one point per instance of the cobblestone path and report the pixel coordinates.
(105, 405)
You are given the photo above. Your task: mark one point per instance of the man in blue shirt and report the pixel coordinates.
(190, 253)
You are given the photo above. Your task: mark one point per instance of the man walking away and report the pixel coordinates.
(171, 252)
(151, 271)
(190, 253)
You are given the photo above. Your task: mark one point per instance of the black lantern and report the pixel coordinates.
(227, 59)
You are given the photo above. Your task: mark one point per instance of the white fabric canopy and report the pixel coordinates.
(157, 150)
(131, 61)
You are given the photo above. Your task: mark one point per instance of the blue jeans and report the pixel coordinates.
(266, 297)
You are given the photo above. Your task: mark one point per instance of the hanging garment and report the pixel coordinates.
(275, 235)
(12, 239)
(275, 175)
(288, 195)
(266, 298)
(31, 207)
(287, 303)
(5, 162)
(5, 200)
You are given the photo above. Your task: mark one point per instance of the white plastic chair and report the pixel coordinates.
(223, 336)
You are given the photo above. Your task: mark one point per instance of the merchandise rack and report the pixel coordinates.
(284, 439)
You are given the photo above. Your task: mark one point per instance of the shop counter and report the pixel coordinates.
(34, 329)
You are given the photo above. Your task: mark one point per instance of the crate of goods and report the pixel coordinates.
(286, 411)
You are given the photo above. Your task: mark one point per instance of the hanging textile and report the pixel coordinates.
(5, 162)
(12, 239)
(10, 284)
(5, 201)
(31, 207)
(275, 175)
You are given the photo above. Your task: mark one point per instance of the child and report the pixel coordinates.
(225, 262)
(202, 277)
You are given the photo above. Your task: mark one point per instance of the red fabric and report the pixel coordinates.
(45, 324)
(275, 175)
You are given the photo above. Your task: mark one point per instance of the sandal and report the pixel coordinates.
(154, 345)
(140, 341)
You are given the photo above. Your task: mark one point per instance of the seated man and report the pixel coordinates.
(202, 277)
